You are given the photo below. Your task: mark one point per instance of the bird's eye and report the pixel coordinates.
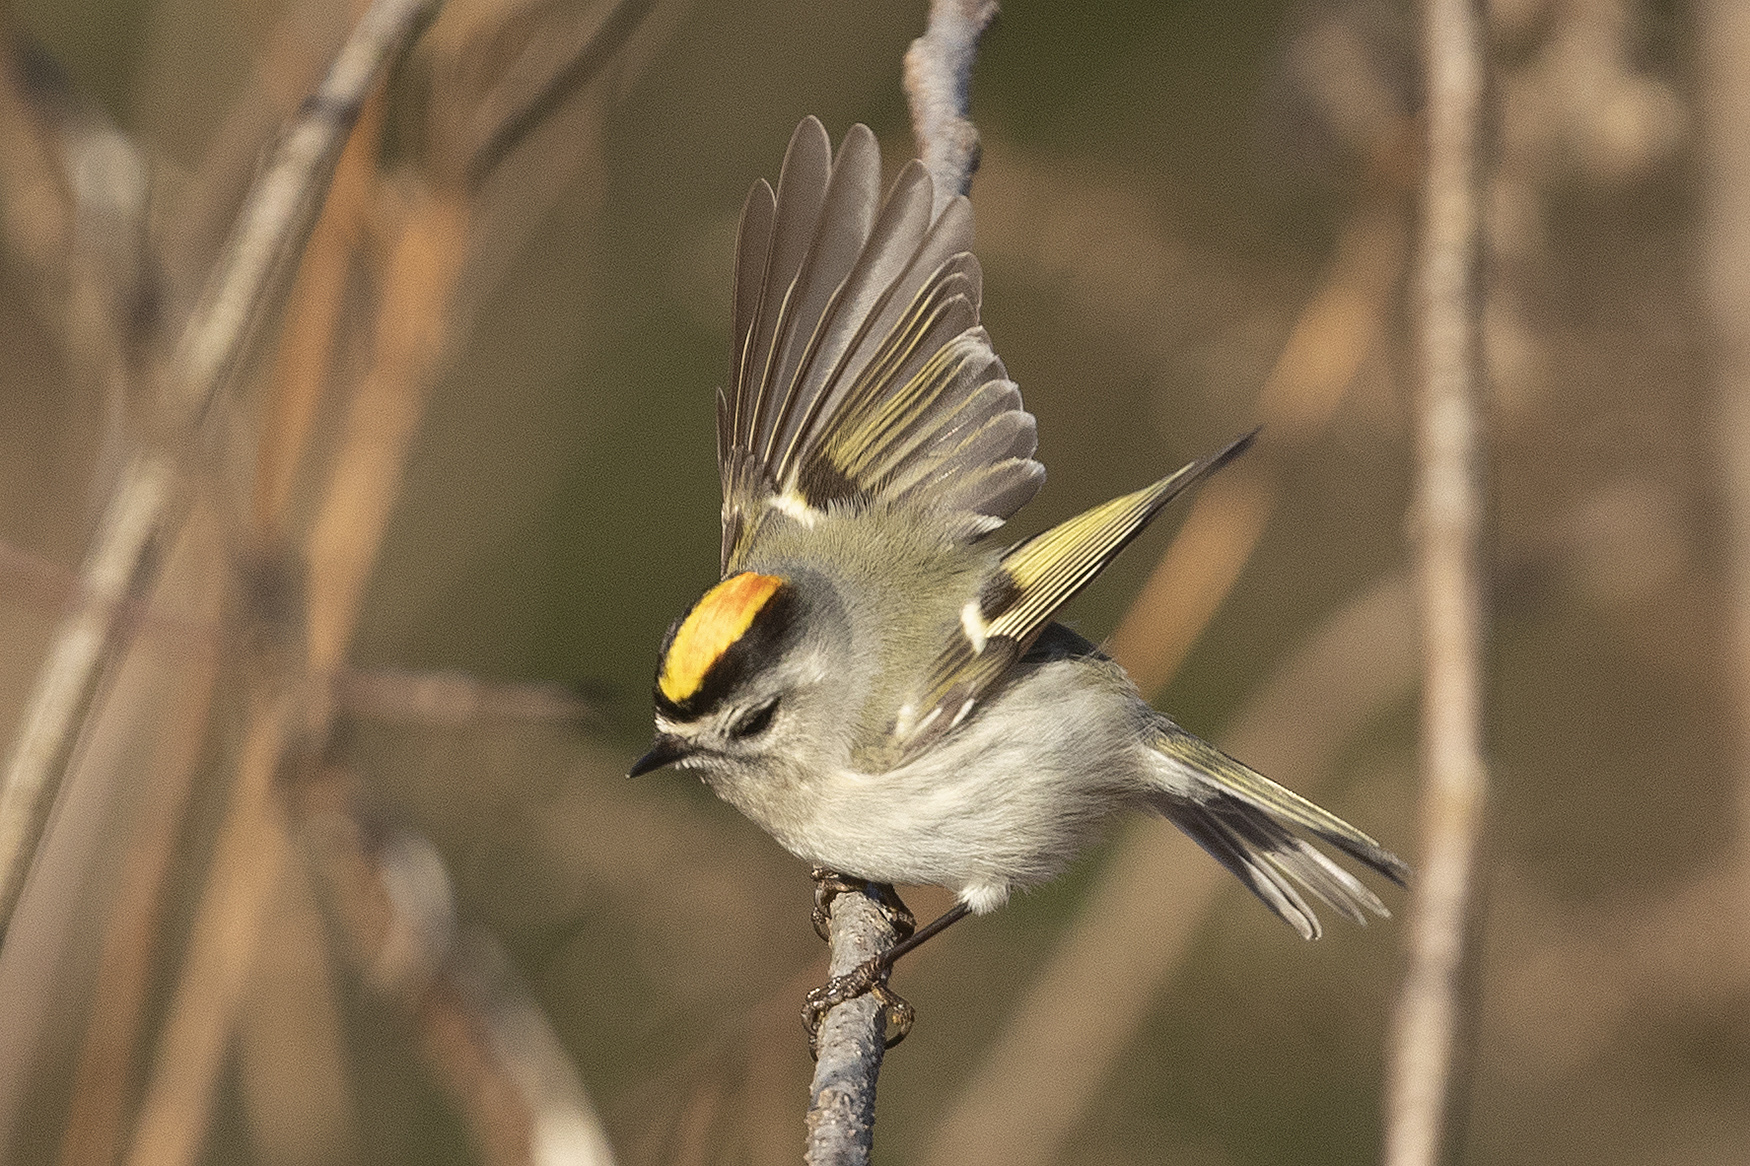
(755, 722)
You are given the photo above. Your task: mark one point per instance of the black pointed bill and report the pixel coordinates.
(665, 750)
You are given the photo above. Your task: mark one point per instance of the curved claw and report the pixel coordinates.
(898, 1012)
(868, 978)
(830, 884)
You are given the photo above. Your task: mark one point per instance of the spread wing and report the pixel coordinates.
(858, 371)
(1036, 578)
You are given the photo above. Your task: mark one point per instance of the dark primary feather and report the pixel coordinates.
(858, 371)
(1036, 578)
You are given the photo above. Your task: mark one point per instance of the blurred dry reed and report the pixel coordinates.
(343, 398)
(1725, 257)
(1431, 1012)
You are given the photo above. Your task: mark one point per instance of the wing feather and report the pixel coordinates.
(1036, 578)
(859, 372)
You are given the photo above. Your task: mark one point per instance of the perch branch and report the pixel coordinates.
(1426, 1031)
(841, 1110)
(938, 85)
(841, 1099)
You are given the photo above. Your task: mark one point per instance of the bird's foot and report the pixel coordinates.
(868, 978)
(830, 884)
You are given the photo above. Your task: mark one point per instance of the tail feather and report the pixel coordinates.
(1210, 766)
(1300, 859)
(1244, 821)
(1246, 861)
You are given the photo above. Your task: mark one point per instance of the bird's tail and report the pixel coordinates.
(1247, 822)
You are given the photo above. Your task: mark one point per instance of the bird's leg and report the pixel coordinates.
(830, 884)
(870, 978)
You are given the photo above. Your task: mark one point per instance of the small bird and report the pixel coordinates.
(877, 681)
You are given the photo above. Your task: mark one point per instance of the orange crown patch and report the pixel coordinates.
(718, 620)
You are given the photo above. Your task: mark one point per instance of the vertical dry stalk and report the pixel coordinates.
(1450, 514)
(292, 1054)
(1724, 45)
(251, 853)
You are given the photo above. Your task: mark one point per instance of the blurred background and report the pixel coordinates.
(345, 867)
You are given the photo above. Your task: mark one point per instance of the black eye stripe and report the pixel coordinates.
(756, 722)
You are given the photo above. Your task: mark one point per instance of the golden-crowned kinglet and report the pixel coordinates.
(877, 681)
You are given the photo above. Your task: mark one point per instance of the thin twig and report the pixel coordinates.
(841, 1111)
(938, 87)
(146, 503)
(1427, 1027)
(173, 1114)
(523, 103)
(841, 1099)
(451, 700)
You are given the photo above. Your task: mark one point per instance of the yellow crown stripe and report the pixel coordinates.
(718, 620)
